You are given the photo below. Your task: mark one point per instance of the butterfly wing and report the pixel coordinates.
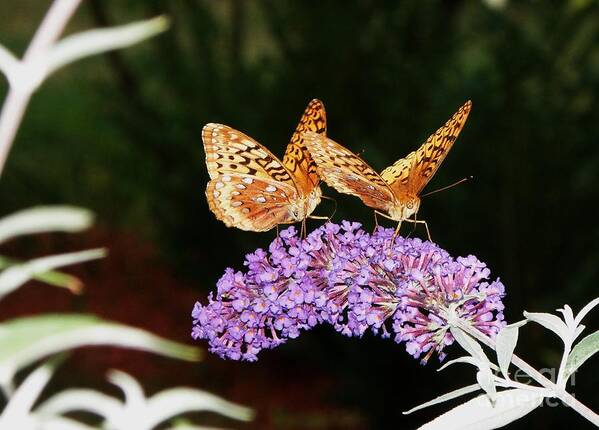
(297, 159)
(347, 173)
(229, 152)
(409, 175)
(250, 203)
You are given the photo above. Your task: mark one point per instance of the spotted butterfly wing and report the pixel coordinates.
(409, 175)
(347, 173)
(297, 159)
(397, 188)
(229, 151)
(250, 203)
(252, 189)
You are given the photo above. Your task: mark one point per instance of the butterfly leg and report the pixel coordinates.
(335, 208)
(388, 217)
(415, 225)
(419, 221)
(376, 222)
(411, 232)
(396, 232)
(327, 218)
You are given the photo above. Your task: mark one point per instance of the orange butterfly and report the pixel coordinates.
(396, 190)
(253, 190)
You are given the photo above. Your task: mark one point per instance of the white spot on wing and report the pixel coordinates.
(240, 186)
(216, 194)
(271, 189)
(235, 193)
(226, 178)
(236, 204)
(260, 199)
(248, 180)
(245, 210)
(219, 185)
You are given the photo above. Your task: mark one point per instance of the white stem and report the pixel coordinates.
(51, 27)
(10, 119)
(508, 383)
(557, 391)
(8, 62)
(561, 381)
(18, 96)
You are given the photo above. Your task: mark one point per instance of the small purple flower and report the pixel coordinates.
(354, 281)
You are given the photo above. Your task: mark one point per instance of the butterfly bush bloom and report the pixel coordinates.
(407, 289)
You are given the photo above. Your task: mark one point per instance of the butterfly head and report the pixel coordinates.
(408, 206)
(303, 207)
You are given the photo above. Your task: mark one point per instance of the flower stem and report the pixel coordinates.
(559, 392)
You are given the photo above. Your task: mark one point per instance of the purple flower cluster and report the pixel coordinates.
(354, 281)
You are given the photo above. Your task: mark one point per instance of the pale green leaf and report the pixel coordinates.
(74, 400)
(15, 276)
(27, 339)
(51, 277)
(505, 342)
(481, 414)
(97, 41)
(486, 380)
(469, 344)
(44, 219)
(62, 423)
(584, 311)
(582, 352)
(445, 397)
(176, 401)
(21, 401)
(551, 322)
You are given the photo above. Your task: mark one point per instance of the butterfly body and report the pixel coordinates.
(301, 208)
(395, 191)
(250, 188)
(403, 208)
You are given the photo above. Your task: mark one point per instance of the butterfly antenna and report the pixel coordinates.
(448, 186)
(334, 210)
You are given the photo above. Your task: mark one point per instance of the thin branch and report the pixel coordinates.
(51, 27)
(10, 119)
(18, 96)
(8, 62)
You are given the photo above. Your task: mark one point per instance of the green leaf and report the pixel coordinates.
(582, 352)
(51, 277)
(26, 340)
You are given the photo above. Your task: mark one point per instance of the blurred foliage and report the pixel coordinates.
(124, 140)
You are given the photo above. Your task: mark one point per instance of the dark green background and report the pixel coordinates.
(120, 134)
